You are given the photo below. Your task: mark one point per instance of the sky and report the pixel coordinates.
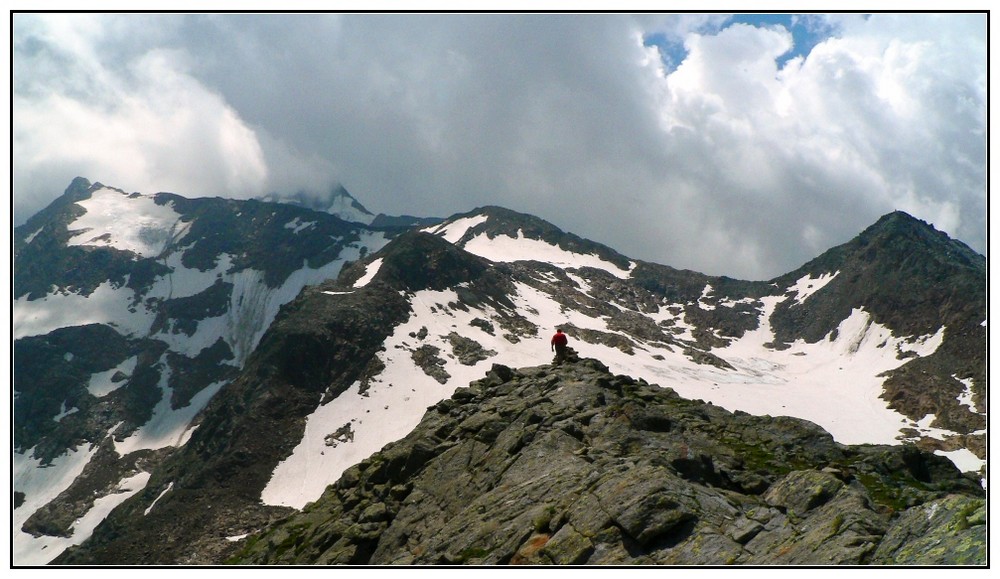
(739, 145)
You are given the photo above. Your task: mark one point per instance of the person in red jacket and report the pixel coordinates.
(559, 342)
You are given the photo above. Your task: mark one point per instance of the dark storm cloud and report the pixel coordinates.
(723, 162)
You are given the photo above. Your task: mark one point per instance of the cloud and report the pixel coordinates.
(686, 140)
(146, 125)
(787, 162)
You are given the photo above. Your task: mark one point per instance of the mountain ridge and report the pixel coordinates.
(572, 465)
(391, 323)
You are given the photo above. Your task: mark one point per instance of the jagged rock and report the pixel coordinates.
(950, 531)
(802, 491)
(570, 464)
(484, 325)
(427, 359)
(468, 351)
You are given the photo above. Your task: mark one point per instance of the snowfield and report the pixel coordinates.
(503, 249)
(833, 383)
(127, 222)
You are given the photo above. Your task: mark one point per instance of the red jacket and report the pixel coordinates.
(559, 339)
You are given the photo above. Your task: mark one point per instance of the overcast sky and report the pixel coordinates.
(731, 146)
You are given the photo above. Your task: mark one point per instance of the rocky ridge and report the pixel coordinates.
(571, 465)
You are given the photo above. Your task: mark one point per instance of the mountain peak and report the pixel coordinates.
(501, 234)
(899, 217)
(336, 201)
(898, 223)
(902, 234)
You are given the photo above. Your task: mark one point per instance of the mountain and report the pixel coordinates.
(130, 313)
(188, 372)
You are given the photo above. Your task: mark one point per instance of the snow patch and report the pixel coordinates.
(454, 231)
(964, 459)
(584, 285)
(705, 294)
(807, 285)
(169, 488)
(674, 324)
(30, 237)
(207, 332)
(924, 427)
(540, 306)
(734, 303)
(107, 304)
(344, 207)
(834, 382)
(168, 426)
(83, 527)
(370, 271)
(100, 384)
(297, 225)
(965, 397)
(184, 282)
(923, 345)
(396, 399)
(503, 248)
(64, 412)
(128, 222)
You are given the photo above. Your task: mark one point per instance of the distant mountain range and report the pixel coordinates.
(189, 373)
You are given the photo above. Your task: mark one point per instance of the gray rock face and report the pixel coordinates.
(572, 465)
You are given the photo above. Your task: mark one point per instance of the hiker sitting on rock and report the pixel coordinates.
(559, 342)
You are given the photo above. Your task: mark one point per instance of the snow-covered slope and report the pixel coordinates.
(836, 382)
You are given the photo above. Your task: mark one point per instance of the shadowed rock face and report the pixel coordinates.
(570, 464)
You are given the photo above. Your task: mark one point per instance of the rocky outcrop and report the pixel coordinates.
(569, 464)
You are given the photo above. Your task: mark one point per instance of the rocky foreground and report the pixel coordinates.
(571, 465)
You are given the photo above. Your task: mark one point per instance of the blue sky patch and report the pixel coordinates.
(807, 30)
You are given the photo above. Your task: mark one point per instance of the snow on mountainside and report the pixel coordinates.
(198, 317)
(835, 382)
(158, 336)
(466, 233)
